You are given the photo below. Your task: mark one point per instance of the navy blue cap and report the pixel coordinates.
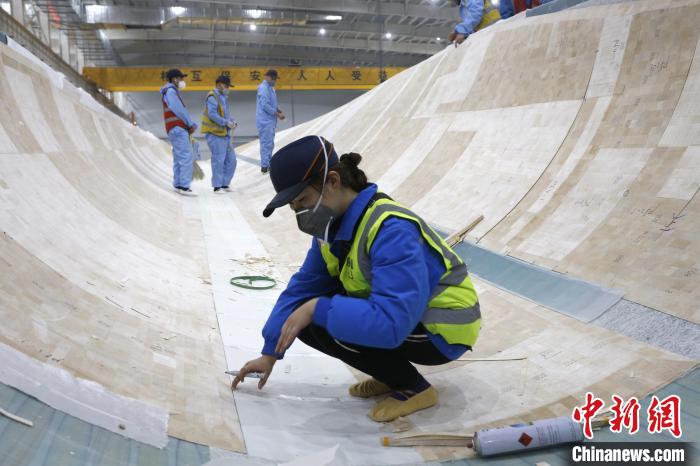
(223, 79)
(294, 166)
(174, 73)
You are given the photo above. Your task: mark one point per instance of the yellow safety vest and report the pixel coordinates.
(453, 310)
(208, 126)
(491, 15)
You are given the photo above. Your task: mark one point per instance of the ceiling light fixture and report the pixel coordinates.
(387, 35)
(177, 10)
(95, 13)
(322, 32)
(255, 13)
(253, 27)
(334, 18)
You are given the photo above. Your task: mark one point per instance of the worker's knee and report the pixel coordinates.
(316, 337)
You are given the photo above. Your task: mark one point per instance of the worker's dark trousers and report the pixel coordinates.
(390, 366)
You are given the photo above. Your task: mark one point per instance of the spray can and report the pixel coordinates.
(520, 437)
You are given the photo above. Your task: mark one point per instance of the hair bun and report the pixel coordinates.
(352, 159)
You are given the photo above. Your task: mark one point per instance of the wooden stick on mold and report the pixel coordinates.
(433, 440)
(458, 236)
(16, 418)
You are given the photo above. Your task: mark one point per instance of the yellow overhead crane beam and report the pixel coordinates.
(131, 79)
(209, 21)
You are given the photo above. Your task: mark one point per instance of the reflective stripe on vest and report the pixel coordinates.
(491, 15)
(171, 120)
(453, 309)
(208, 125)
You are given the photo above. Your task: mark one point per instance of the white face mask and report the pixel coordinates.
(317, 221)
(181, 85)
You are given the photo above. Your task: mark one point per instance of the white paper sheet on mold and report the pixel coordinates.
(84, 399)
(332, 456)
(305, 405)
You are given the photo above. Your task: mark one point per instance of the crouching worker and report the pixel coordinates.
(379, 289)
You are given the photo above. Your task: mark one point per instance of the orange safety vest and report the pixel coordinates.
(171, 120)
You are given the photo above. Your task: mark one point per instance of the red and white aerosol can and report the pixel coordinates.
(530, 436)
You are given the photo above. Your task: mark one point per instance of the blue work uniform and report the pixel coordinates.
(405, 270)
(179, 137)
(223, 157)
(266, 121)
(471, 12)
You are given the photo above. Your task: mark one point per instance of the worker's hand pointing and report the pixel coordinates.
(263, 364)
(298, 321)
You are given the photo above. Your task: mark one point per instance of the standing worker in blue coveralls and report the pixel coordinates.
(216, 127)
(266, 115)
(379, 289)
(178, 126)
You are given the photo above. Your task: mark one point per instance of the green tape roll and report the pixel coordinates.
(248, 282)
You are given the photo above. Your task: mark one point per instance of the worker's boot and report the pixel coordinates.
(368, 388)
(184, 191)
(402, 403)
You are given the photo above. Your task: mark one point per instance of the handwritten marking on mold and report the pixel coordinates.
(616, 46)
(139, 312)
(674, 218)
(658, 66)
